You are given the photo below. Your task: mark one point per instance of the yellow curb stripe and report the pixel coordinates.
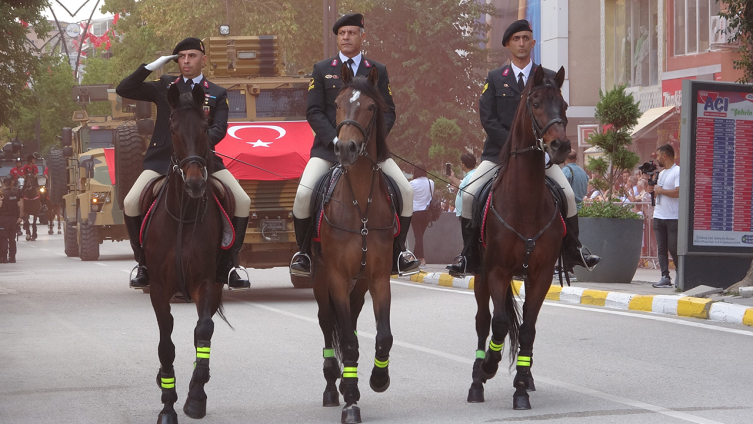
(418, 278)
(594, 297)
(554, 293)
(693, 307)
(748, 317)
(445, 280)
(641, 303)
(470, 284)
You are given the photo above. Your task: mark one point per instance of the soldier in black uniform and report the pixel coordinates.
(190, 56)
(10, 218)
(324, 87)
(499, 102)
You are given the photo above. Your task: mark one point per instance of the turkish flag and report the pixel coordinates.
(272, 150)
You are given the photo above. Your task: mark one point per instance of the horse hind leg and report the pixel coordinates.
(483, 322)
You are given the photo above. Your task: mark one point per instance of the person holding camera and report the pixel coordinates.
(667, 211)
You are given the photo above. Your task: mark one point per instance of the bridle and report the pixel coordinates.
(538, 132)
(177, 164)
(365, 132)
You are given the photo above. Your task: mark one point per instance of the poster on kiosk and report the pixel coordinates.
(715, 233)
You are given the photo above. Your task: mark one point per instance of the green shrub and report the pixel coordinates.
(607, 210)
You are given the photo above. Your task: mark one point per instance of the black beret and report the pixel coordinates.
(190, 43)
(355, 19)
(517, 26)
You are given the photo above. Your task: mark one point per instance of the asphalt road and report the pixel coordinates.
(78, 346)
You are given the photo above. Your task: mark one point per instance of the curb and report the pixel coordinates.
(672, 305)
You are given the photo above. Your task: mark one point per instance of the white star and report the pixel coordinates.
(259, 143)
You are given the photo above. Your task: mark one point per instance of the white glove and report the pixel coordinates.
(159, 63)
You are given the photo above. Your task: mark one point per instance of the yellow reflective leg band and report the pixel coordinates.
(203, 352)
(168, 383)
(350, 372)
(480, 354)
(496, 347)
(328, 353)
(381, 364)
(524, 361)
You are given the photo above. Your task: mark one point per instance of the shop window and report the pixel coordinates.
(692, 25)
(632, 37)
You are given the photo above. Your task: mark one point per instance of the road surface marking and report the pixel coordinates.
(100, 264)
(59, 254)
(46, 250)
(469, 361)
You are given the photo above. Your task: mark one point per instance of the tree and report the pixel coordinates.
(739, 16)
(18, 64)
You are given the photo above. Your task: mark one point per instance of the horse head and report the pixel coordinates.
(546, 108)
(360, 116)
(188, 127)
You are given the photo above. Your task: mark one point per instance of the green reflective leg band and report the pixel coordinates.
(480, 354)
(381, 364)
(496, 347)
(350, 372)
(168, 383)
(328, 353)
(524, 361)
(355, 332)
(203, 352)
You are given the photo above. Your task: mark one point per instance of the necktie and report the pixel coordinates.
(189, 83)
(521, 84)
(350, 65)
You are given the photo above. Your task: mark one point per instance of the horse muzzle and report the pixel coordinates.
(347, 151)
(558, 150)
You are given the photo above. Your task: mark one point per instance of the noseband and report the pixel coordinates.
(538, 132)
(178, 165)
(365, 132)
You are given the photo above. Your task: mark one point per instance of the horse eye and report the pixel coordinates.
(535, 105)
(372, 107)
(337, 106)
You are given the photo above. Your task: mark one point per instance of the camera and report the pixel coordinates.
(649, 168)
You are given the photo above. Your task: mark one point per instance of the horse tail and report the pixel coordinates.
(221, 313)
(512, 309)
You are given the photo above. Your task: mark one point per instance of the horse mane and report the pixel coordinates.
(363, 85)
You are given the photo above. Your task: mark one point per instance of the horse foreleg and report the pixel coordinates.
(348, 346)
(207, 302)
(537, 287)
(34, 227)
(60, 231)
(166, 351)
(381, 296)
(499, 283)
(357, 299)
(483, 321)
(331, 367)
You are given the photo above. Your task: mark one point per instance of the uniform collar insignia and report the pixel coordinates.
(176, 80)
(334, 63)
(506, 72)
(206, 84)
(366, 62)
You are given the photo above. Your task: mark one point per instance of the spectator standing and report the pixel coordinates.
(10, 217)
(423, 191)
(667, 211)
(468, 165)
(577, 177)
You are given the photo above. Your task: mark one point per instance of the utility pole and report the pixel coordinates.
(329, 14)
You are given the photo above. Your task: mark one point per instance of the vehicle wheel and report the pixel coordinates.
(89, 249)
(129, 158)
(71, 239)
(302, 282)
(58, 176)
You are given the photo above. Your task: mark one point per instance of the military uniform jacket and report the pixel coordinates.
(10, 209)
(324, 87)
(497, 106)
(160, 149)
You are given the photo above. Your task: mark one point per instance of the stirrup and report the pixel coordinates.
(407, 253)
(130, 278)
(299, 273)
(229, 273)
(583, 258)
(459, 259)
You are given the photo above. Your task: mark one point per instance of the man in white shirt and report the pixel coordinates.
(667, 211)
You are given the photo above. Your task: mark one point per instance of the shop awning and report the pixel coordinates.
(651, 119)
(280, 148)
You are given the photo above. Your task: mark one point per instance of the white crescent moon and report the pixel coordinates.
(231, 132)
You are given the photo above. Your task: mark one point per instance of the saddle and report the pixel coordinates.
(221, 194)
(325, 186)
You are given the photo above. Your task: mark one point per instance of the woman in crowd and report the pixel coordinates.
(423, 189)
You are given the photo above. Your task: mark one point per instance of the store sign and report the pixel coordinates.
(585, 131)
(72, 30)
(671, 91)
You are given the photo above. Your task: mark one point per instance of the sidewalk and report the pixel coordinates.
(638, 295)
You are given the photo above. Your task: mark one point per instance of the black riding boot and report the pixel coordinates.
(133, 225)
(229, 258)
(301, 263)
(575, 254)
(469, 261)
(404, 262)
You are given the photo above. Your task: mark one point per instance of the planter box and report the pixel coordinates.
(617, 242)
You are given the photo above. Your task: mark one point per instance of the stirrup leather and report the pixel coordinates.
(409, 256)
(299, 273)
(237, 268)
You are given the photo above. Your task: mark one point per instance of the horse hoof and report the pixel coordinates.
(521, 403)
(167, 419)
(50, 232)
(195, 408)
(476, 394)
(331, 399)
(60, 232)
(377, 388)
(531, 387)
(351, 414)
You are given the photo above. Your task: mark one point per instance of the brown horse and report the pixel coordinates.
(32, 193)
(182, 244)
(355, 254)
(522, 235)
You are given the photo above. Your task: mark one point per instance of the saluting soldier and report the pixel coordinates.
(499, 102)
(324, 87)
(191, 58)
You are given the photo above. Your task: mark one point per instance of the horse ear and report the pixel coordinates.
(198, 94)
(173, 95)
(538, 76)
(560, 77)
(346, 74)
(373, 76)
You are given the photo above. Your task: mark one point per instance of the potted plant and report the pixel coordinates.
(608, 227)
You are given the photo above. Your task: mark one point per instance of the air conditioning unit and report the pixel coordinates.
(718, 36)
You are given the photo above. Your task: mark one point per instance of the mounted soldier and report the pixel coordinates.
(324, 87)
(190, 56)
(499, 101)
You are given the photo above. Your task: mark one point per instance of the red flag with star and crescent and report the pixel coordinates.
(280, 148)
